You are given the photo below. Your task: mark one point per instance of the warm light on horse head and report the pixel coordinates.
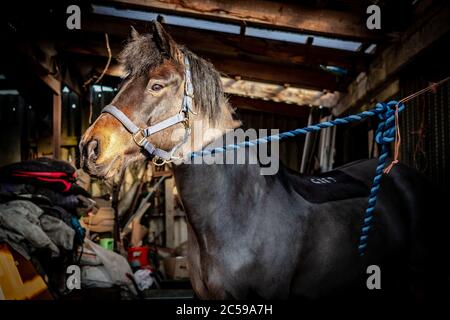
(101, 145)
(140, 135)
(155, 101)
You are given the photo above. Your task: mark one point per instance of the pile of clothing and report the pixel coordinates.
(40, 208)
(103, 268)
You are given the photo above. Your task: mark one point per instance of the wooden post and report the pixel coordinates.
(170, 212)
(115, 205)
(57, 123)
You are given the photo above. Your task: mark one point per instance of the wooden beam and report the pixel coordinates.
(278, 93)
(57, 123)
(292, 75)
(53, 83)
(333, 23)
(169, 212)
(269, 107)
(69, 141)
(207, 42)
(114, 70)
(396, 57)
(165, 173)
(42, 64)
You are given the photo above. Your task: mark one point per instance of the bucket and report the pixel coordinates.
(138, 257)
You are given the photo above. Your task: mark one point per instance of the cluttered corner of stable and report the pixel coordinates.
(58, 241)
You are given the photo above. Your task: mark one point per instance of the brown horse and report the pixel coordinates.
(251, 235)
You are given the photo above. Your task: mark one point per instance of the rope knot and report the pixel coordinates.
(385, 133)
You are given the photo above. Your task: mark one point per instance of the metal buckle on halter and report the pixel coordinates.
(185, 121)
(141, 142)
(160, 162)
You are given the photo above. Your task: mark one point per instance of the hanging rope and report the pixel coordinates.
(431, 87)
(396, 143)
(99, 78)
(108, 49)
(386, 133)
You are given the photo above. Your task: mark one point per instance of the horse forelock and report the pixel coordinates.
(140, 55)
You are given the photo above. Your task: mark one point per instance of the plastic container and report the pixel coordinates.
(107, 243)
(138, 257)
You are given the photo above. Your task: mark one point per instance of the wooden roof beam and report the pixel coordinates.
(278, 93)
(332, 23)
(269, 107)
(234, 45)
(282, 74)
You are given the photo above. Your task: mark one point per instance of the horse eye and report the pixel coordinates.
(157, 87)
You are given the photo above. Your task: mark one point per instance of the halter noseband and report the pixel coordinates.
(140, 135)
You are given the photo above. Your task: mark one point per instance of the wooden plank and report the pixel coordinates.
(69, 141)
(207, 42)
(269, 106)
(57, 123)
(291, 75)
(279, 93)
(53, 83)
(165, 173)
(338, 24)
(169, 212)
(114, 70)
(392, 60)
(38, 57)
(117, 184)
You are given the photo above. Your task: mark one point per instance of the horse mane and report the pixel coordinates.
(142, 54)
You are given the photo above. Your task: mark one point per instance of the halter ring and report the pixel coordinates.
(141, 142)
(159, 162)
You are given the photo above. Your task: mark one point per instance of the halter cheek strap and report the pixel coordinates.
(140, 135)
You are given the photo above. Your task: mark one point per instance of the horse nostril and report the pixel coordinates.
(92, 149)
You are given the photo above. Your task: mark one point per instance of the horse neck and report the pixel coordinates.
(205, 131)
(211, 193)
(205, 188)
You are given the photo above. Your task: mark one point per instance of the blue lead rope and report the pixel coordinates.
(385, 135)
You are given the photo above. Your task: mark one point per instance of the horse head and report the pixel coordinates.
(154, 89)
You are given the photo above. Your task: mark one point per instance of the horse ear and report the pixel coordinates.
(165, 42)
(134, 33)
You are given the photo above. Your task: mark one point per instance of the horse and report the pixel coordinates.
(250, 235)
